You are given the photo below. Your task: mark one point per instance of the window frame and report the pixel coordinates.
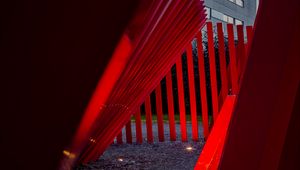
(223, 17)
(241, 22)
(236, 2)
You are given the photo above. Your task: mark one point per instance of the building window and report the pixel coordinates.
(217, 14)
(228, 19)
(220, 16)
(207, 12)
(238, 2)
(238, 22)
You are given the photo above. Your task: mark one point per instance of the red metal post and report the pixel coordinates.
(128, 132)
(222, 59)
(232, 57)
(171, 106)
(212, 151)
(149, 119)
(249, 30)
(181, 99)
(202, 78)
(212, 67)
(241, 50)
(269, 95)
(191, 78)
(119, 138)
(138, 127)
(159, 111)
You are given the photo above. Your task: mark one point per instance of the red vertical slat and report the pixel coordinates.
(249, 30)
(171, 106)
(191, 78)
(202, 78)
(119, 138)
(181, 99)
(232, 57)
(241, 49)
(212, 68)
(159, 111)
(138, 127)
(128, 132)
(222, 59)
(148, 119)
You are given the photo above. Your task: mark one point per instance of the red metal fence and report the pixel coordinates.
(227, 58)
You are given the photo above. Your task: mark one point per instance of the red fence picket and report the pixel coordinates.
(119, 138)
(202, 77)
(191, 80)
(148, 119)
(249, 30)
(181, 101)
(222, 59)
(138, 127)
(230, 76)
(171, 106)
(212, 70)
(159, 112)
(241, 51)
(128, 132)
(232, 56)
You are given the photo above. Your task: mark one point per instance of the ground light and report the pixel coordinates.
(189, 148)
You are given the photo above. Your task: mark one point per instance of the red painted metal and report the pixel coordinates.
(128, 132)
(241, 51)
(102, 91)
(171, 106)
(249, 30)
(211, 154)
(212, 69)
(232, 57)
(138, 127)
(119, 138)
(148, 119)
(264, 130)
(181, 100)
(154, 28)
(202, 79)
(222, 59)
(159, 112)
(190, 65)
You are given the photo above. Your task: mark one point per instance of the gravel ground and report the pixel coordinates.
(159, 155)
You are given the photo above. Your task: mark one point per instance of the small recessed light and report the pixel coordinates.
(120, 159)
(189, 148)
